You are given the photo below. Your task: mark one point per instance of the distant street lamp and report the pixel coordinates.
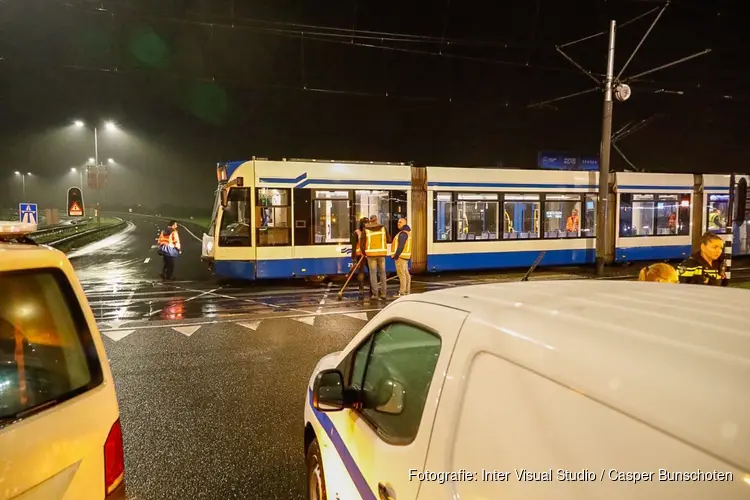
(74, 170)
(23, 182)
(108, 126)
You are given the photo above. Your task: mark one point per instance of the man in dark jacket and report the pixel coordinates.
(705, 266)
(358, 252)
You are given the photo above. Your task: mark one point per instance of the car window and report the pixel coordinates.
(46, 352)
(401, 353)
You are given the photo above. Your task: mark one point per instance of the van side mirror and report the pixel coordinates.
(389, 397)
(328, 391)
(741, 201)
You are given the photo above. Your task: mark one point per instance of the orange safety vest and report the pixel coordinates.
(358, 246)
(377, 246)
(572, 224)
(173, 239)
(406, 252)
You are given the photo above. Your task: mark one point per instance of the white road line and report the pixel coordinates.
(236, 320)
(184, 302)
(147, 260)
(325, 296)
(249, 301)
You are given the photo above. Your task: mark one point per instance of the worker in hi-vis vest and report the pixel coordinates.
(401, 253)
(376, 250)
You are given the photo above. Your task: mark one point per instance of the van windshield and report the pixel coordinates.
(46, 351)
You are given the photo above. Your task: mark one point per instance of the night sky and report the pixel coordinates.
(193, 82)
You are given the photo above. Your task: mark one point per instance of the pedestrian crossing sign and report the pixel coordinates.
(27, 213)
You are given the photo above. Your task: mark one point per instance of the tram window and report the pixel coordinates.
(671, 218)
(303, 232)
(398, 210)
(367, 203)
(637, 213)
(562, 215)
(521, 216)
(443, 230)
(477, 216)
(273, 217)
(234, 230)
(331, 217)
(716, 213)
(588, 224)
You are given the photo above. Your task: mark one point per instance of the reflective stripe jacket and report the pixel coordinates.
(169, 237)
(695, 270)
(401, 245)
(376, 240)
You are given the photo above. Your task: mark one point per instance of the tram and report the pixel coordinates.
(286, 219)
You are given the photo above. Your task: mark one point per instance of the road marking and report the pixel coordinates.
(153, 246)
(362, 316)
(215, 322)
(184, 301)
(117, 335)
(310, 320)
(186, 330)
(325, 296)
(252, 325)
(249, 301)
(148, 259)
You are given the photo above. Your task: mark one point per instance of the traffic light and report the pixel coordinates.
(75, 202)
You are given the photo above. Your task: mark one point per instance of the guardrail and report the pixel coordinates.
(82, 234)
(59, 229)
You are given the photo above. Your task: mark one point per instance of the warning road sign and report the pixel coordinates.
(28, 213)
(75, 203)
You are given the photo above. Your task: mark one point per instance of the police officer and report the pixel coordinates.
(704, 267)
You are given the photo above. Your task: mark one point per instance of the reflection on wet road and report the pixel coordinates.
(211, 379)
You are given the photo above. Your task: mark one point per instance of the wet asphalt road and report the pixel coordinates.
(211, 378)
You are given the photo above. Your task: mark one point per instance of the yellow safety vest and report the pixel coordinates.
(406, 252)
(377, 246)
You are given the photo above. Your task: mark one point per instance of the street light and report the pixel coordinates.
(74, 170)
(78, 123)
(110, 126)
(23, 181)
(110, 160)
(92, 161)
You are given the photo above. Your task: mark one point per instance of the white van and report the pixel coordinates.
(538, 390)
(60, 434)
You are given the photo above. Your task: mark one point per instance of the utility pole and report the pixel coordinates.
(604, 154)
(617, 87)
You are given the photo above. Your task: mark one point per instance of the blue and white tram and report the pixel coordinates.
(281, 219)
(294, 218)
(480, 218)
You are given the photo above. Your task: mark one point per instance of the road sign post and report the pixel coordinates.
(28, 213)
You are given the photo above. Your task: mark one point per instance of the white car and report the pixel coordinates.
(60, 434)
(538, 390)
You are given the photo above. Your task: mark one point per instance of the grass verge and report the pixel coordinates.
(105, 230)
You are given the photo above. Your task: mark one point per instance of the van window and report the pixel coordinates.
(46, 352)
(399, 353)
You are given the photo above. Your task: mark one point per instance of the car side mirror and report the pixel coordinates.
(391, 397)
(328, 391)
